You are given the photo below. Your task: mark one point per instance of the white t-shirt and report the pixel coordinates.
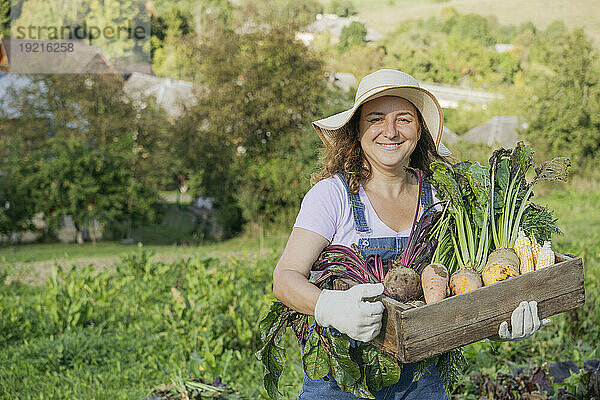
(326, 211)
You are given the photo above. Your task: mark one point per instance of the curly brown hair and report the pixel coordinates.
(346, 155)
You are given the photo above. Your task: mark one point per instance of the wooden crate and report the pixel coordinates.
(412, 334)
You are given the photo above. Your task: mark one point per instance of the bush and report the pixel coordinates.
(352, 35)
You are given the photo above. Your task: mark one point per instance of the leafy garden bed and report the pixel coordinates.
(124, 334)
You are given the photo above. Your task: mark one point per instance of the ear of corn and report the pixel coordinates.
(535, 249)
(524, 251)
(546, 257)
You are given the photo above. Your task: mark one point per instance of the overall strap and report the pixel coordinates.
(358, 208)
(403, 241)
(426, 197)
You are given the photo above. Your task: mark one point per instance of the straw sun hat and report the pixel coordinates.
(389, 82)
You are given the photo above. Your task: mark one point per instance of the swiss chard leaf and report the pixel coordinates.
(273, 358)
(379, 370)
(270, 383)
(552, 170)
(521, 160)
(460, 170)
(478, 179)
(270, 324)
(446, 186)
(344, 369)
(272, 327)
(501, 185)
(317, 362)
(299, 323)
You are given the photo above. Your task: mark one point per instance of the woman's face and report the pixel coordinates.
(388, 132)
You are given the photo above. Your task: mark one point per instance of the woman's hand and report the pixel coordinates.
(524, 322)
(346, 311)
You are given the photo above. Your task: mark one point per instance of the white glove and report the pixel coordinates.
(346, 311)
(524, 321)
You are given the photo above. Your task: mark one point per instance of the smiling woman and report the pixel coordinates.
(367, 194)
(364, 194)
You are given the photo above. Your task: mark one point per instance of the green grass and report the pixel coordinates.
(27, 253)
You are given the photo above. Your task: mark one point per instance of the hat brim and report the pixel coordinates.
(424, 100)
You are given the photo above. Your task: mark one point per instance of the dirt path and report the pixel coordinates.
(38, 272)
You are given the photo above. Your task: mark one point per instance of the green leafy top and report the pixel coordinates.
(465, 188)
(511, 192)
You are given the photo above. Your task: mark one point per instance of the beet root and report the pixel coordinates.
(403, 284)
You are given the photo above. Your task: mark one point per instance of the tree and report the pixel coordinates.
(470, 26)
(73, 178)
(91, 114)
(258, 89)
(94, 110)
(17, 194)
(563, 113)
(343, 8)
(101, 23)
(167, 43)
(4, 18)
(450, 59)
(292, 12)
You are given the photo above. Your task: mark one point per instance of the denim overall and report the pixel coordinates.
(430, 386)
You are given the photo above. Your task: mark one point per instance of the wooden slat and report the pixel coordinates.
(388, 343)
(387, 340)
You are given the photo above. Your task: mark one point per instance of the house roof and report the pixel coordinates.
(172, 95)
(83, 59)
(449, 137)
(11, 92)
(450, 96)
(127, 68)
(500, 130)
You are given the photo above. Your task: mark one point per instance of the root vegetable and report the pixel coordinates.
(403, 284)
(434, 280)
(504, 255)
(503, 263)
(465, 280)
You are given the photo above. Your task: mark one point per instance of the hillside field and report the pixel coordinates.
(386, 15)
